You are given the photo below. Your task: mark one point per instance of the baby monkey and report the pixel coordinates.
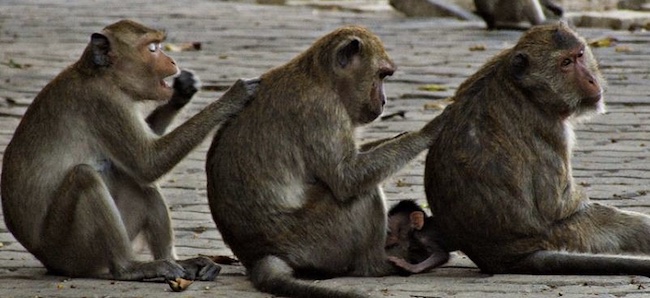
(413, 242)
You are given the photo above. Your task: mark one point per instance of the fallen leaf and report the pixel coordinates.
(432, 88)
(14, 64)
(183, 47)
(603, 42)
(623, 49)
(434, 106)
(401, 183)
(179, 284)
(199, 230)
(478, 47)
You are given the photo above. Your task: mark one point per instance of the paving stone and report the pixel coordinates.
(245, 39)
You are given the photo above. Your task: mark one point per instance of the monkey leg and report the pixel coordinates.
(84, 234)
(371, 220)
(597, 239)
(557, 262)
(144, 211)
(597, 228)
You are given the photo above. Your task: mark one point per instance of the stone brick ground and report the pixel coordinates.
(38, 39)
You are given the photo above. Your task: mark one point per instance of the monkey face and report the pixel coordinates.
(161, 66)
(133, 53)
(557, 69)
(360, 66)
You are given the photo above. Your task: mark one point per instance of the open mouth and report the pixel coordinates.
(164, 84)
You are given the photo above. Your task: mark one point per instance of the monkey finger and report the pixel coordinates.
(209, 272)
(200, 268)
(186, 84)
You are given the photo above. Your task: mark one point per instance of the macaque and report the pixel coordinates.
(516, 14)
(291, 192)
(413, 242)
(79, 175)
(498, 175)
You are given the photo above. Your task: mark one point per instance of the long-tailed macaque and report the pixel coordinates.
(516, 14)
(413, 242)
(78, 177)
(498, 176)
(289, 190)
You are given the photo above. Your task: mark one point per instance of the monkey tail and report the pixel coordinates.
(274, 276)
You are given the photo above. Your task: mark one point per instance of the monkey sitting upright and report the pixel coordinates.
(498, 175)
(78, 177)
(289, 190)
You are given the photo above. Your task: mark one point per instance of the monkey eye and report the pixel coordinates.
(566, 62)
(581, 53)
(153, 47)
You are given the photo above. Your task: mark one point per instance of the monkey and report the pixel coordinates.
(498, 176)
(290, 191)
(79, 174)
(413, 243)
(510, 14)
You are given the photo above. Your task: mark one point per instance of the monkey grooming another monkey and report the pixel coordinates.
(513, 14)
(78, 177)
(290, 191)
(413, 241)
(498, 176)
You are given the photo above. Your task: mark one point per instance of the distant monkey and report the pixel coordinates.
(498, 176)
(289, 189)
(78, 177)
(513, 14)
(413, 242)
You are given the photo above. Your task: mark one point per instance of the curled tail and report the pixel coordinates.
(273, 275)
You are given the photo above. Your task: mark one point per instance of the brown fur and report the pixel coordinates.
(78, 177)
(288, 188)
(413, 242)
(516, 14)
(498, 176)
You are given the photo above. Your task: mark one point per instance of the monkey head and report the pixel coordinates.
(130, 54)
(360, 64)
(405, 219)
(555, 67)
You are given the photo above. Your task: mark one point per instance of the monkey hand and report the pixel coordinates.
(200, 268)
(251, 85)
(186, 84)
(432, 128)
(240, 94)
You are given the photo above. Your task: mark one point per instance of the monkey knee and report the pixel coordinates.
(84, 176)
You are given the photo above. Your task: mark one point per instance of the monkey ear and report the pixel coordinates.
(346, 53)
(417, 220)
(519, 64)
(101, 46)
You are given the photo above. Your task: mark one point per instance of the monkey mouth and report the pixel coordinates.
(164, 84)
(592, 99)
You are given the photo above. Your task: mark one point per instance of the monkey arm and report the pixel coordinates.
(370, 145)
(185, 86)
(354, 172)
(148, 157)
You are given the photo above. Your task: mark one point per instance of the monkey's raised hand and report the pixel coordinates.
(186, 84)
(240, 93)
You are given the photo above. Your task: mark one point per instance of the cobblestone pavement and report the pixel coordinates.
(39, 38)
